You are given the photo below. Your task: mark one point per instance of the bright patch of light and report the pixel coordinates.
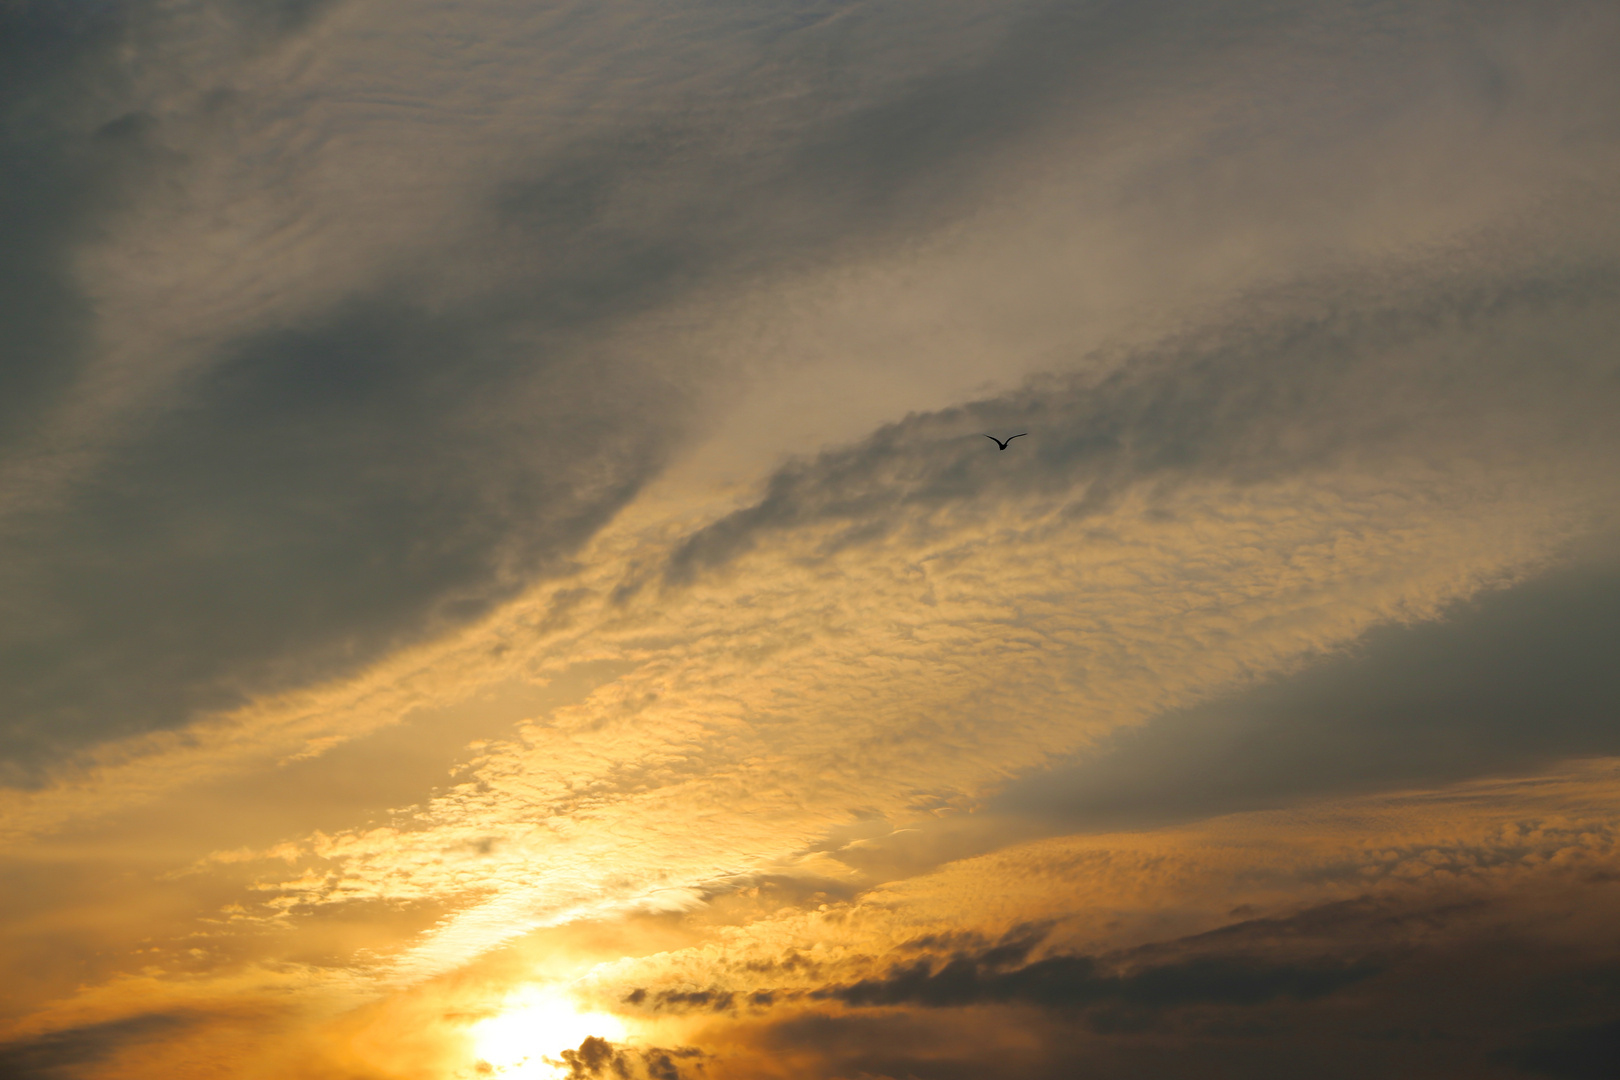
(526, 1039)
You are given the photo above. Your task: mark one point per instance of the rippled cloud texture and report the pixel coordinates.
(503, 575)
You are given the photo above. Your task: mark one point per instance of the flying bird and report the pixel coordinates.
(1002, 444)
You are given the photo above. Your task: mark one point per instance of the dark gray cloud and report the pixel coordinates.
(1586, 1052)
(1507, 683)
(383, 469)
(327, 493)
(862, 156)
(1522, 371)
(60, 162)
(1227, 967)
(1072, 981)
(73, 153)
(1434, 985)
(386, 466)
(59, 1055)
(73, 156)
(599, 1057)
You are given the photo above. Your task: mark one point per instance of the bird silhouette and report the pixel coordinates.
(1002, 444)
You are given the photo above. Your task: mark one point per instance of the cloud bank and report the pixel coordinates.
(494, 505)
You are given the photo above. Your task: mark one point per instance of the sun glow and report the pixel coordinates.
(527, 1038)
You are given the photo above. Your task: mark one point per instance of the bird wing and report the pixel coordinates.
(993, 439)
(1020, 435)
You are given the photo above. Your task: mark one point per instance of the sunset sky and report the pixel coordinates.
(502, 575)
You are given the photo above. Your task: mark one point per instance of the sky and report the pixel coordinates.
(502, 574)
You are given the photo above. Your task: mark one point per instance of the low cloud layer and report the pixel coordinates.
(1483, 953)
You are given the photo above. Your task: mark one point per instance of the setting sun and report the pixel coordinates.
(527, 1037)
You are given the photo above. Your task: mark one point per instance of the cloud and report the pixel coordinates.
(329, 477)
(1447, 980)
(986, 645)
(358, 357)
(1333, 380)
(592, 194)
(66, 1052)
(1348, 886)
(56, 184)
(360, 455)
(1003, 973)
(1505, 683)
(1072, 981)
(1004, 615)
(384, 503)
(598, 1057)
(1572, 1053)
